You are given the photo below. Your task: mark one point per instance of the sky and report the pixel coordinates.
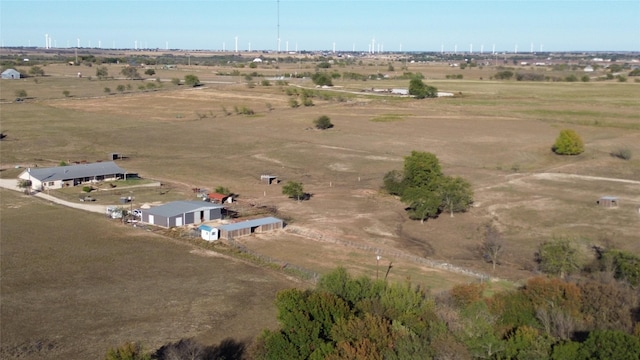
(347, 25)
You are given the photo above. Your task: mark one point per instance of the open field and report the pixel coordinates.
(75, 284)
(495, 134)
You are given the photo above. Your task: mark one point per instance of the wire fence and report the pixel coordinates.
(387, 253)
(293, 269)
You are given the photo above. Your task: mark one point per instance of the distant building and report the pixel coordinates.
(72, 175)
(588, 68)
(608, 201)
(11, 74)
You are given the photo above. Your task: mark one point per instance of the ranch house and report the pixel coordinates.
(72, 175)
(180, 213)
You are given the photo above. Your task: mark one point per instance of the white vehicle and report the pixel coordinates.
(137, 213)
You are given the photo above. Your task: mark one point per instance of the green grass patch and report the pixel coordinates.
(388, 118)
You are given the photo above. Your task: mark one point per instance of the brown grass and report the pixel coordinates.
(75, 284)
(496, 134)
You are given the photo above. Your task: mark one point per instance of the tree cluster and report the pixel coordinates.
(426, 190)
(349, 318)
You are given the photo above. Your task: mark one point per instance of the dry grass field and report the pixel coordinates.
(75, 284)
(496, 134)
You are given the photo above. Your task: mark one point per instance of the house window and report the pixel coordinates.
(50, 183)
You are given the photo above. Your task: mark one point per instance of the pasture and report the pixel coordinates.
(496, 134)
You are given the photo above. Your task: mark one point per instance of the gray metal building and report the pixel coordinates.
(180, 213)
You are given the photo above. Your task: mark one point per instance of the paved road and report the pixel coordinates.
(12, 184)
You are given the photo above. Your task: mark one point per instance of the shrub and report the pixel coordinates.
(87, 189)
(622, 153)
(568, 143)
(322, 79)
(323, 122)
(504, 75)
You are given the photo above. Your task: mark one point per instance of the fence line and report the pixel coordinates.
(283, 265)
(314, 235)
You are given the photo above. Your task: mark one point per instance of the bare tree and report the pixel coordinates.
(492, 244)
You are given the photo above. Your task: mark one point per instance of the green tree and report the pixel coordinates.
(423, 202)
(393, 182)
(175, 81)
(191, 80)
(504, 75)
(420, 90)
(102, 72)
(150, 72)
(558, 257)
(36, 71)
(107, 90)
(293, 189)
(306, 318)
(568, 143)
(421, 169)
(457, 195)
(222, 190)
(609, 345)
(25, 185)
(130, 72)
(323, 122)
(21, 93)
(626, 266)
(66, 93)
(321, 79)
(120, 88)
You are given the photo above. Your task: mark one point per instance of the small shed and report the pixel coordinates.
(208, 233)
(217, 198)
(269, 179)
(245, 228)
(11, 74)
(608, 201)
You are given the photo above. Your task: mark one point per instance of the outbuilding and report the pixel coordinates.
(180, 213)
(248, 227)
(608, 201)
(208, 233)
(217, 198)
(11, 74)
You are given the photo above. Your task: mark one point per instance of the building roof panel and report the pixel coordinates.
(180, 207)
(75, 171)
(250, 223)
